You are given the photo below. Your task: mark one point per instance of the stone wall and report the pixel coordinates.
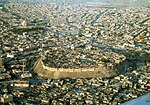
(47, 72)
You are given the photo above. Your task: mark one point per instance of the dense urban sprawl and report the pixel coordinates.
(72, 36)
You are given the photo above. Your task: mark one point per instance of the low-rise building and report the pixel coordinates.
(6, 98)
(20, 84)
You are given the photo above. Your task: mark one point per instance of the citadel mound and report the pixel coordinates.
(79, 63)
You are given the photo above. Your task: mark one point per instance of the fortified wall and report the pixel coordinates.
(48, 72)
(130, 59)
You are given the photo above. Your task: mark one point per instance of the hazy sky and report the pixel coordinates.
(111, 2)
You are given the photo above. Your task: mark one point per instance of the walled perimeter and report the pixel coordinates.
(48, 72)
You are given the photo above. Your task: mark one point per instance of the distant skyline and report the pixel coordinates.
(103, 2)
(84, 0)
